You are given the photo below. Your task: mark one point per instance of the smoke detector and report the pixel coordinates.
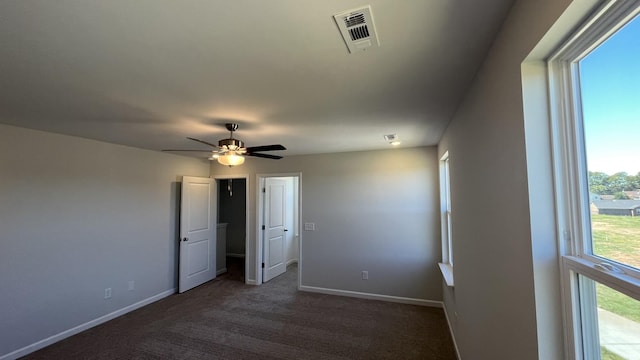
(357, 29)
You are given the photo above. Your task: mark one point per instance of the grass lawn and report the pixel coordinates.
(608, 355)
(617, 238)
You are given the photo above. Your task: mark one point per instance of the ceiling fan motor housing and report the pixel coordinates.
(231, 144)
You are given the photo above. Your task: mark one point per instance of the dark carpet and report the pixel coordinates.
(226, 319)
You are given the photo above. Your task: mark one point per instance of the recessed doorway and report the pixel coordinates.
(232, 231)
(278, 214)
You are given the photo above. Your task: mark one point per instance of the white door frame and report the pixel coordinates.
(246, 217)
(260, 215)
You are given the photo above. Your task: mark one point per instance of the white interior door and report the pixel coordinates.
(275, 228)
(197, 232)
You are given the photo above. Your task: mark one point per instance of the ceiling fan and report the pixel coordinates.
(231, 152)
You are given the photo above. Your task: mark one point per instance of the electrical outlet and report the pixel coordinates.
(107, 293)
(132, 285)
(365, 275)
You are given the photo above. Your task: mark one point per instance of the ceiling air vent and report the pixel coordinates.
(357, 29)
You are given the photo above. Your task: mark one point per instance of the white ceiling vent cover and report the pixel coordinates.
(357, 29)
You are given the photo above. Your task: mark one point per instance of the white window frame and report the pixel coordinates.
(571, 184)
(446, 266)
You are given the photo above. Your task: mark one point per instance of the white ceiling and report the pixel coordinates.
(149, 73)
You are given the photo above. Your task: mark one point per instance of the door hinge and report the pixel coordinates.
(263, 228)
(263, 265)
(264, 190)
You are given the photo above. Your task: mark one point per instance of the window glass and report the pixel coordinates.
(610, 94)
(446, 266)
(448, 206)
(445, 195)
(618, 321)
(595, 101)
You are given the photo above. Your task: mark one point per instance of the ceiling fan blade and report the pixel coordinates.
(265, 148)
(202, 142)
(266, 156)
(169, 150)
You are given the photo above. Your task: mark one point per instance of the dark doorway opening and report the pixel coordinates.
(232, 215)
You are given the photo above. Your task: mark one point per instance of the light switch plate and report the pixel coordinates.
(309, 226)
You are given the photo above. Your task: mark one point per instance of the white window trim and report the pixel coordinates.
(447, 273)
(570, 180)
(446, 266)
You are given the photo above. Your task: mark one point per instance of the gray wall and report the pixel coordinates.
(619, 212)
(374, 210)
(504, 245)
(78, 216)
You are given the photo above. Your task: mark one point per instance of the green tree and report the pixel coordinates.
(599, 189)
(598, 183)
(634, 181)
(620, 196)
(603, 184)
(618, 182)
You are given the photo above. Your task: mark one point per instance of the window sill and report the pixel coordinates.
(447, 273)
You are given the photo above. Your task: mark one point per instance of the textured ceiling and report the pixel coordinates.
(149, 73)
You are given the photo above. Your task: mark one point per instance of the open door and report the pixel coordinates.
(197, 232)
(274, 232)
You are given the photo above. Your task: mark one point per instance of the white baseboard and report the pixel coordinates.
(248, 282)
(455, 344)
(82, 327)
(292, 261)
(236, 255)
(361, 295)
(221, 271)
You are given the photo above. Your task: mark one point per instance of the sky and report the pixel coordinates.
(610, 87)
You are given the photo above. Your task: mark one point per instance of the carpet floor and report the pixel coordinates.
(226, 319)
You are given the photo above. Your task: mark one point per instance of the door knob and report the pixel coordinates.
(185, 239)
(286, 230)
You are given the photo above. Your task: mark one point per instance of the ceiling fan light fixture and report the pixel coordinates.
(231, 159)
(231, 152)
(230, 144)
